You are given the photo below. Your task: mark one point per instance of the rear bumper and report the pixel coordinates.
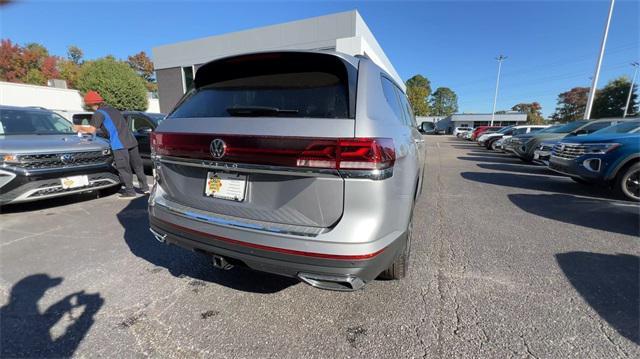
(348, 249)
(277, 260)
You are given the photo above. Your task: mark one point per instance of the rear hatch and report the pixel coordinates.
(270, 123)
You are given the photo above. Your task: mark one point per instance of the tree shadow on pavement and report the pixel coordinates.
(26, 331)
(610, 285)
(181, 262)
(586, 212)
(553, 184)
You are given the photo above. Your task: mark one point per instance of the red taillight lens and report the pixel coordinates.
(347, 153)
(356, 153)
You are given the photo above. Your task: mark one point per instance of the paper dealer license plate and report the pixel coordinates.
(226, 186)
(74, 182)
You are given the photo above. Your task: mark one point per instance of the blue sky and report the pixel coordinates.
(551, 45)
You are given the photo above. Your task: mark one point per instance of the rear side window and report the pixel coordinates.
(595, 127)
(535, 129)
(275, 85)
(390, 95)
(410, 119)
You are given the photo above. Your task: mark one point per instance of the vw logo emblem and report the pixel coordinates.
(217, 148)
(66, 158)
(561, 148)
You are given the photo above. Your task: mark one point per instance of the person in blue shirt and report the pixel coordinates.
(123, 143)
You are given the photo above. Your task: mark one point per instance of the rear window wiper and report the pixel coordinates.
(258, 111)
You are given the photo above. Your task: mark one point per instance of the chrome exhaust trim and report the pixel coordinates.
(346, 283)
(162, 238)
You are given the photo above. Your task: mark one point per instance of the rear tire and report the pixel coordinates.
(400, 266)
(627, 183)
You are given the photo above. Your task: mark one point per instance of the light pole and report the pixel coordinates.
(633, 81)
(495, 97)
(594, 83)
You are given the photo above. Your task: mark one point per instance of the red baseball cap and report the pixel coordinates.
(93, 98)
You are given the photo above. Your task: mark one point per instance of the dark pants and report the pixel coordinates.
(125, 160)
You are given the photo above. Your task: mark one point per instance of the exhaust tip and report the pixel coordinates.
(221, 262)
(347, 283)
(162, 238)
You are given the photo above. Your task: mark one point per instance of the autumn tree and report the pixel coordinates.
(611, 99)
(143, 66)
(444, 102)
(571, 105)
(12, 67)
(29, 64)
(418, 91)
(533, 111)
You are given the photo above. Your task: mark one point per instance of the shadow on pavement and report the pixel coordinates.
(609, 284)
(181, 262)
(534, 182)
(27, 332)
(586, 212)
(494, 159)
(519, 168)
(47, 203)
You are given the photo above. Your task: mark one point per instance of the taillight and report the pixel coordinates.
(339, 154)
(350, 154)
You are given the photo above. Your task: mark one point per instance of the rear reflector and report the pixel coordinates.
(343, 153)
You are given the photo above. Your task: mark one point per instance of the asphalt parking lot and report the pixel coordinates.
(509, 260)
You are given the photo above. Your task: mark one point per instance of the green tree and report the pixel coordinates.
(118, 84)
(69, 71)
(35, 77)
(611, 99)
(571, 105)
(74, 54)
(418, 91)
(533, 111)
(444, 102)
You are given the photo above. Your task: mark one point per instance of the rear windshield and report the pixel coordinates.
(624, 127)
(28, 122)
(569, 127)
(308, 85)
(82, 119)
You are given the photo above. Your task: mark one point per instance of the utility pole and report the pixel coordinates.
(495, 97)
(594, 83)
(633, 81)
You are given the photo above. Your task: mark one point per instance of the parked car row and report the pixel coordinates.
(602, 152)
(41, 156)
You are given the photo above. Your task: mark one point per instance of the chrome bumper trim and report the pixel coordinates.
(377, 174)
(25, 197)
(234, 222)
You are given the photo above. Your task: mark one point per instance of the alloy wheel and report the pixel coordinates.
(631, 184)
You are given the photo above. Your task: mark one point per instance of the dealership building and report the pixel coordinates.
(346, 32)
(448, 123)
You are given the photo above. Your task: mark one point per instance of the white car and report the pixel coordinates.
(459, 131)
(488, 139)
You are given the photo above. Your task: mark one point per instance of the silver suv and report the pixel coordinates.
(42, 157)
(304, 164)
